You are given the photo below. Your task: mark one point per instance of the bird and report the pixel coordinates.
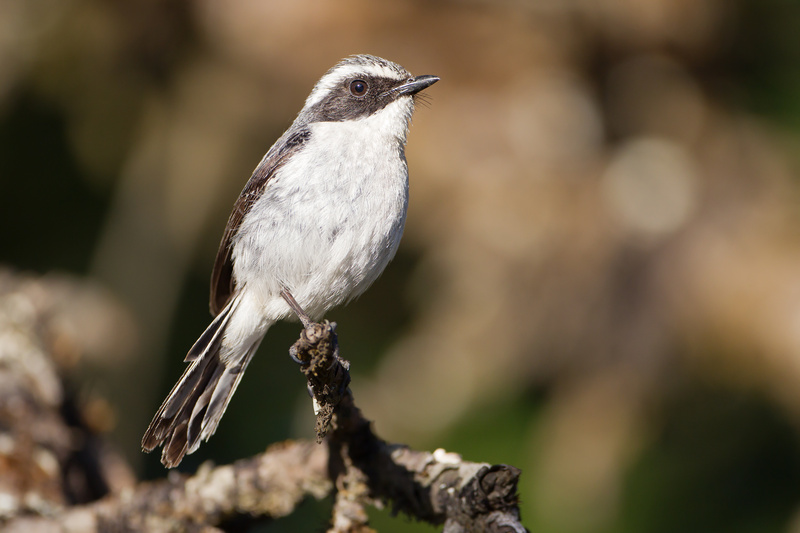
(315, 225)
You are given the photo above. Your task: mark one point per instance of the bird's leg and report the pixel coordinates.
(286, 295)
(306, 321)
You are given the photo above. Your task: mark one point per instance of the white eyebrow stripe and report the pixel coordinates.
(344, 70)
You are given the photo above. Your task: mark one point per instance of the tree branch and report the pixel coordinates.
(437, 487)
(269, 485)
(48, 447)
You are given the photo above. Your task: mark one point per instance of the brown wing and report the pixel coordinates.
(223, 285)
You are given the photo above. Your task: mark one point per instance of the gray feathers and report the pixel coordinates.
(222, 281)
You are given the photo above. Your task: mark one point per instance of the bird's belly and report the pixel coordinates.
(324, 240)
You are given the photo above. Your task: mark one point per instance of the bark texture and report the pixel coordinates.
(56, 474)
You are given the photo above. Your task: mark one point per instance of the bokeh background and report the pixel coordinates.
(600, 277)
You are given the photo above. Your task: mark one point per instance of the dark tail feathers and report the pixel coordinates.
(197, 402)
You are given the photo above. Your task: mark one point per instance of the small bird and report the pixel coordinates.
(317, 222)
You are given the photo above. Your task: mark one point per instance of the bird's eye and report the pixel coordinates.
(358, 87)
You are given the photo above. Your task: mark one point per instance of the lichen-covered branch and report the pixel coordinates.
(269, 485)
(437, 487)
(47, 447)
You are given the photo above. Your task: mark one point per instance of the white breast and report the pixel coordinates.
(331, 219)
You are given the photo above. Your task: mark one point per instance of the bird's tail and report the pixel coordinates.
(194, 407)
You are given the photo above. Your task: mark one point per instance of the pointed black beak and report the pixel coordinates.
(416, 84)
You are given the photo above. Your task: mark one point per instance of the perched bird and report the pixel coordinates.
(316, 224)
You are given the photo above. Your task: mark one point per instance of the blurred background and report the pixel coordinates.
(599, 281)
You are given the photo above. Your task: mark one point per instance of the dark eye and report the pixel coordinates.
(358, 87)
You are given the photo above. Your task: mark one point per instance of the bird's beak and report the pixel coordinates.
(416, 84)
